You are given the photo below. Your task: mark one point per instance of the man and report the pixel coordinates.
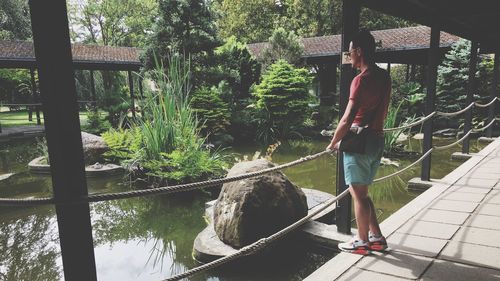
(368, 103)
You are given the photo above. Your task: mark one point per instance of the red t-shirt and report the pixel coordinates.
(371, 92)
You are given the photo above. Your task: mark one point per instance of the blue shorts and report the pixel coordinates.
(361, 168)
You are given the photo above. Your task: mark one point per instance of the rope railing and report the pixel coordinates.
(487, 126)
(422, 120)
(450, 114)
(452, 144)
(405, 168)
(261, 243)
(485, 105)
(159, 190)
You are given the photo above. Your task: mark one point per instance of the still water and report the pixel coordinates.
(151, 238)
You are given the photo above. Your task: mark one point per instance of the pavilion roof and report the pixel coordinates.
(398, 39)
(20, 54)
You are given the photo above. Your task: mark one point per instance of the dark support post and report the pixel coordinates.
(350, 25)
(429, 99)
(407, 77)
(49, 23)
(327, 82)
(493, 94)
(389, 68)
(92, 89)
(131, 87)
(471, 88)
(141, 92)
(413, 70)
(35, 96)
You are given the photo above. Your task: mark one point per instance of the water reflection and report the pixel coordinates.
(29, 245)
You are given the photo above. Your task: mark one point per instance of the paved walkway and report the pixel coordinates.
(11, 133)
(449, 232)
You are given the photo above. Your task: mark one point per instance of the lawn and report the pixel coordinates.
(20, 118)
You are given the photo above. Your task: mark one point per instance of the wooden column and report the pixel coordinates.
(389, 68)
(131, 87)
(350, 25)
(327, 74)
(34, 92)
(49, 23)
(429, 99)
(471, 89)
(493, 94)
(407, 76)
(92, 90)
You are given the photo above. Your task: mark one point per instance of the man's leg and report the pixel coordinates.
(374, 226)
(362, 209)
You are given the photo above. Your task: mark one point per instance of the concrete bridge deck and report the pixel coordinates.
(449, 232)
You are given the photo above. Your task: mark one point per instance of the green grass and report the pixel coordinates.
(20, 118)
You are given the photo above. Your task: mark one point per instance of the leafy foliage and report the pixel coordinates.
(283, 45)
(185, 27)
(211, 110)
(111, 22)
(237, 67)
(282, 100)
(124, 144)
(96, 124)
(14, 20)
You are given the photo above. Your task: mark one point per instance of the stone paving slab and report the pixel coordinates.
(489, 209)
(365, 275)
(429, 229)
(442, 216)
(472, 254)
(483, 175)
(484, 221)
(445, 270)
(457, 206)
(406, 243)
(480, 236)
(466, 189)
(463, 196)
(472, 182)
(394, 263)
(490, 170)
(493, 197)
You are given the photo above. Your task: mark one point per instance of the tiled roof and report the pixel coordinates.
(23, 51)
(408, 38)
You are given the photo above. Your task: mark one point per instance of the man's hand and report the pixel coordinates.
(333, 147)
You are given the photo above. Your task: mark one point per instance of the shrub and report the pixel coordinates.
(95, 123)
(212, 112)
(282, 101)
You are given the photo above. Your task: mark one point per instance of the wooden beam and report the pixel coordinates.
(49, 23)
(493, 94)
(350, 26)
(433, 62)
(471, 89)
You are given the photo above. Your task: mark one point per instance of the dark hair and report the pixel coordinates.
(364, 40)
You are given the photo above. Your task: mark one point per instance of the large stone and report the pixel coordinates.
(250, 209)
(93, 148)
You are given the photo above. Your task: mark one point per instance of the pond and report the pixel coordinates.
(151, 238)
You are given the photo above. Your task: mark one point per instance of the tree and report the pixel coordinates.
(185, 27)
(14, 20)
(282, 101)
(249, 20)
(283, 45)
(112, 22)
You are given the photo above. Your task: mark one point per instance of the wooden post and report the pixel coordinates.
(429, 99)
(131, 87)
(327, 81)
(34, 91)
(389, 68)
(350, 25)
(92, 89)
(493, 94)
(49, 23)
(471, 88)
(407, 76)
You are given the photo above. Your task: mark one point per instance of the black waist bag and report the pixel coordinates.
(354, 141)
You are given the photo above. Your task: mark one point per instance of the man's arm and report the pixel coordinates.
(344, 125)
